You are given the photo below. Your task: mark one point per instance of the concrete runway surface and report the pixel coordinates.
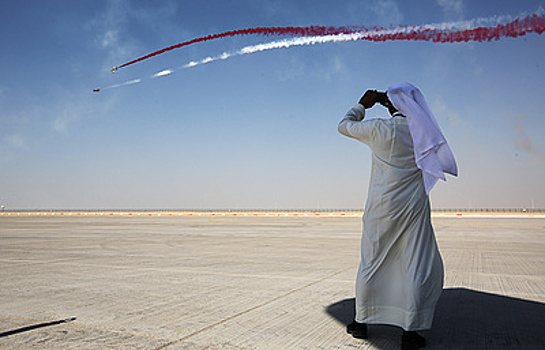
(213, 282)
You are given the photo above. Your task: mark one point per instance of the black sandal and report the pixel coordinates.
(410, 340)
(358, 330)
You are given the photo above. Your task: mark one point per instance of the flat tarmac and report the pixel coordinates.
(252, 282)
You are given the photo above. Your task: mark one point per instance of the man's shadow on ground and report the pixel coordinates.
(466, 319)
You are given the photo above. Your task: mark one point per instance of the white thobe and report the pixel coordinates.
(400, 277)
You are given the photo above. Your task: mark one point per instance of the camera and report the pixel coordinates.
(382, 98)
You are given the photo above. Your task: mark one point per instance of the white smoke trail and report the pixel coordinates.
(312, 40)
(162, 73)
(130, 82)
(364, 34)
(286, 43)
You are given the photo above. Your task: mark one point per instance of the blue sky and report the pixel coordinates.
(255, 131)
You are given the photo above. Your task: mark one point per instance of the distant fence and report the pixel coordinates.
(492, 210)
(291, 210)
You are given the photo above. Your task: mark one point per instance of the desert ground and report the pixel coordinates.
(251, 280)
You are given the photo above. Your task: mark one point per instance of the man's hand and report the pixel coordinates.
(369, 99)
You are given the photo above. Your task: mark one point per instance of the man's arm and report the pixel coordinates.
(355, 115)
(351, 125)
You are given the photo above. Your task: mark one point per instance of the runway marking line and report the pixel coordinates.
(251, 309)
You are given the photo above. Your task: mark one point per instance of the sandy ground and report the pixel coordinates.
(235, 281)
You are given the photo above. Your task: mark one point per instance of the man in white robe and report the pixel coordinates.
(400, 277)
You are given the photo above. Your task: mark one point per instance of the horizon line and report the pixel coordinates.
(227, 210)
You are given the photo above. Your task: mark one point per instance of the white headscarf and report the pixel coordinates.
(432, 153)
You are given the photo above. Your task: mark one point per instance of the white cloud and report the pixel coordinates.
(110, 35)
(15, 141)
(444, 112)
(125, 30)
(64, 119)
(276, 9)
(522, 141)
(331, 69)
(71, 107)
(294, 68)
(452, 9)
(78, 107)
(110, 39)
(388, 10)
(338, 65)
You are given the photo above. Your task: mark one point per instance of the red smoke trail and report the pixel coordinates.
(266, 31)
(516, 28)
